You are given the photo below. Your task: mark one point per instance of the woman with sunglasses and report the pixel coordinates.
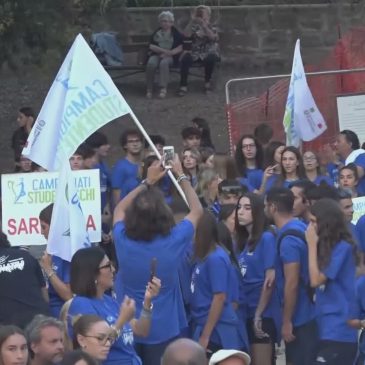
(93, 335)
(91, 276)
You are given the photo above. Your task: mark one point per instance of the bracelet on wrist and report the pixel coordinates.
(147, 309)
(50, 274)
(115, 330)
(182, 178)
(145, 183)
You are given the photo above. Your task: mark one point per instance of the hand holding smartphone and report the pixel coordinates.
(168, 156)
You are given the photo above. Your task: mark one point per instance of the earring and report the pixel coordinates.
(96, 282)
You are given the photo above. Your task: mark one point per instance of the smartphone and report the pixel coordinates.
(153, 268)
(168, 156)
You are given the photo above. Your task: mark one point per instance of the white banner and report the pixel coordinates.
(25, 195)
(359, 208)
(302, 119)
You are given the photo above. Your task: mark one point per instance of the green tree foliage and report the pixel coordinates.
(29, 29)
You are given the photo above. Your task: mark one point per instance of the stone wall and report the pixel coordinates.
(261, 38)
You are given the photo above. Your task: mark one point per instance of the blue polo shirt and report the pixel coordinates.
(134, 258)
(253, 265)
(123, 175)
(294, 250)
(335, 300)
(62, 269)
(122, 351)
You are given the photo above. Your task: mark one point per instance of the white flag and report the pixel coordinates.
(81, 99)
(302, 119)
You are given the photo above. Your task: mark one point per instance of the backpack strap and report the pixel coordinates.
(290, 232)
(301, 235)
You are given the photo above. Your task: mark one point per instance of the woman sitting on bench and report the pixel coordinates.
(200, 46)
(165, 47)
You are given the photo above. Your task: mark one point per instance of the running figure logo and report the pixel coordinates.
(18, 190)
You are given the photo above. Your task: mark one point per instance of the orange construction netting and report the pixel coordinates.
(268, 104)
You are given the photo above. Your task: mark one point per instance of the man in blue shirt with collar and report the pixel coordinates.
(301, 202)
(299, 328)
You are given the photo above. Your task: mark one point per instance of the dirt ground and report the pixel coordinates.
(166, 117)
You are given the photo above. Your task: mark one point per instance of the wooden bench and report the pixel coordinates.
(136, 56)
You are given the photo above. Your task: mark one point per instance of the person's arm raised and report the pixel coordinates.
(154, 174)
(195, 207)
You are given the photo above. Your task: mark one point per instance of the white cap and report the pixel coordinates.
(225, 354)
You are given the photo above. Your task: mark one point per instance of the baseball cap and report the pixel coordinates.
(225, 354)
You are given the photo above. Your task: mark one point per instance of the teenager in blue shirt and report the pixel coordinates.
(144, 229)
(331, 254)
(358, 321)
(272, 165)
(360, 228)
(292, 168)
(257, 259)
(56, 269)
(299, 328)
(91, 276)
(249, 157)
(215, 323)
(348, 149)
(301, 205)
(313, 169)
(127, 168)
(349, 179)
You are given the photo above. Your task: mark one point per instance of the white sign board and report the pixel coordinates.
(25, 195)
(351, 114)
(359, 208)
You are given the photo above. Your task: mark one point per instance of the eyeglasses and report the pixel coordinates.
(103, 339)
(248, 146)
(310, 158)
(108, 265)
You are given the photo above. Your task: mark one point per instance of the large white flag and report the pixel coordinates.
(302, 119)
(81, 99)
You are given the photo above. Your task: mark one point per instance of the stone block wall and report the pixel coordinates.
(258, 38)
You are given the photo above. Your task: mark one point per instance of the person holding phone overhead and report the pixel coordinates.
(200, 46)
(144, 229)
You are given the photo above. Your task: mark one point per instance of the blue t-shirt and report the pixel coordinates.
(323, 178)
(294, 250)
(134, 258)
(335, 300)
(254, 177)
(355, 234)
(360, 298)
(253, 265)
(123, 172)
(122, 351)
(211, 276)
(105, 182)
(62, 270)
(245, 182)
(333, 172)
(360, 161)
(360, 229)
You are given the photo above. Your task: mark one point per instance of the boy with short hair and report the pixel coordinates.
(77, 159)
(191, 137)
(125, 171)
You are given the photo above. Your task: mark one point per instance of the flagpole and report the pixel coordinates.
(148, 139)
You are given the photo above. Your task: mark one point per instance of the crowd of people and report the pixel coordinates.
(265, 253)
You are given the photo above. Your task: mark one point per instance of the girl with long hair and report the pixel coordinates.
(312, 169)
(249, 157)
(207, 189)
(257, 252)
(331, 257)
(190, 163)
(13, 346)
(292, 168)
(214, 320)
